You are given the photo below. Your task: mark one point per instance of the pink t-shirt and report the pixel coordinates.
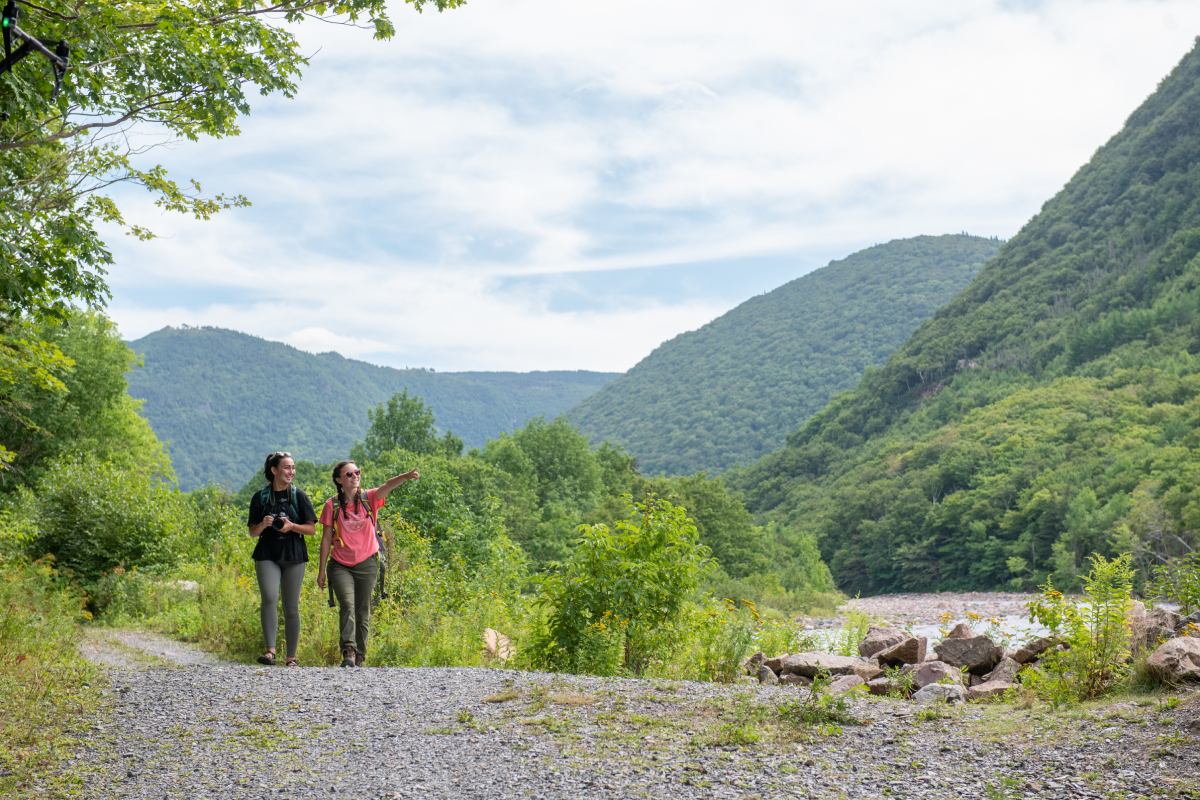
(354, 537)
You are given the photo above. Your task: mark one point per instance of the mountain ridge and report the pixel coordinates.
(223, 399)
(731, 390)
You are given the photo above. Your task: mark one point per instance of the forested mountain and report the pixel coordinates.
(223, 400)
(732, 390)
(1048, 412)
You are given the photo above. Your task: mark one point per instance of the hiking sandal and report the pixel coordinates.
(291, 662)
(268, 657)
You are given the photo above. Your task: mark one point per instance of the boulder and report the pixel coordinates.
(809, 664)
(767, 675)
(794, 680)
(940, 693)
(1152, 636)
(989, 690)
(1032, 650)
(879, 687)
(1163, 617)
(845, 683)
(751, 663)
(929, 672)
(910, 651)
(1189, 625)
(869, 670)
(497, 645)
(978, 655)
(776, 663)
(960, 631)
(1177, 658)
(1005, 672)
(879, 639)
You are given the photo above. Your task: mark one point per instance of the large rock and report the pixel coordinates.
(752, 663)
(776, 663)
(497, 645)
(809, 664)
(1177, 658)
(845, 683)
(869, 670)
(910, 651)
(767, 675)
(930, 672)
(1033, 650)
(978, 655)
(940, 693)
(1163, 617)
(1155, 627)
(960, 631)
(879, 687)
(1005, 672)
(879, 639)
(989, 690)
(1189, 625)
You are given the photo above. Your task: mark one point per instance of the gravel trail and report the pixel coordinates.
(219, 730)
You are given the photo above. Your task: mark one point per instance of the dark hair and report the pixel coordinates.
(271, 463)
(337, 468)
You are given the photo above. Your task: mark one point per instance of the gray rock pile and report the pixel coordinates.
(965, 666)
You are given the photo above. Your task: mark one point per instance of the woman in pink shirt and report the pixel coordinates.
(348, 534)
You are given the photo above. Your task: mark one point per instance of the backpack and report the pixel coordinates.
(264, 500)
(380, 540)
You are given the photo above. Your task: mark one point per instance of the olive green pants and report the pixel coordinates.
(353, 587)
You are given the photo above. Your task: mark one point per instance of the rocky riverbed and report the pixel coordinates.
(181, 724)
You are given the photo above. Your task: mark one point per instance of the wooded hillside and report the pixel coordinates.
(1048, 412)
(223, 400)
(732, 390)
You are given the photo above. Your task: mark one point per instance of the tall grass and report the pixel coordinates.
(47, 690)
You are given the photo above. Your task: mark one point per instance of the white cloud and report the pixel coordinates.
(456, 175)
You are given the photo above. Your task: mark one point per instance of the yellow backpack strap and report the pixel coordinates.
(338, 536)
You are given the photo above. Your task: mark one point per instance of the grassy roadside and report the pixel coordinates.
(48, 692)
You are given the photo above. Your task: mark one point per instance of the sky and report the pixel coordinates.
(534, 185)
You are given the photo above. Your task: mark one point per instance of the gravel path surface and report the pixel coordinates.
(212, 730)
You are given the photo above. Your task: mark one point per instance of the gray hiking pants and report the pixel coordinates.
(353, 587)
(272, 575)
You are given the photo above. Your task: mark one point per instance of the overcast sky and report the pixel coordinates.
(527, 184)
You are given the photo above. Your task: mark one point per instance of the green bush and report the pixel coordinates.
(1179, 580)
(640, 575)
(1095, 630)
(93, 516)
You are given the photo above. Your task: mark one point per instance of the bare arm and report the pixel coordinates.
(256, 530)
(383, 491)
(326, 543)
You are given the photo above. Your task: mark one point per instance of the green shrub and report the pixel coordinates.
(92, 516)
(845, 641)
(639, 575)
(1096, 632)
(725, 640)
(1179, 580)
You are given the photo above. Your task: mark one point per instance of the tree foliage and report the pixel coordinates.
(1047, 413)
(84, 410)
(732, 390)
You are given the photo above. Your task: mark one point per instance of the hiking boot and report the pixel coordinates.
(348, 656)
(359, 659)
